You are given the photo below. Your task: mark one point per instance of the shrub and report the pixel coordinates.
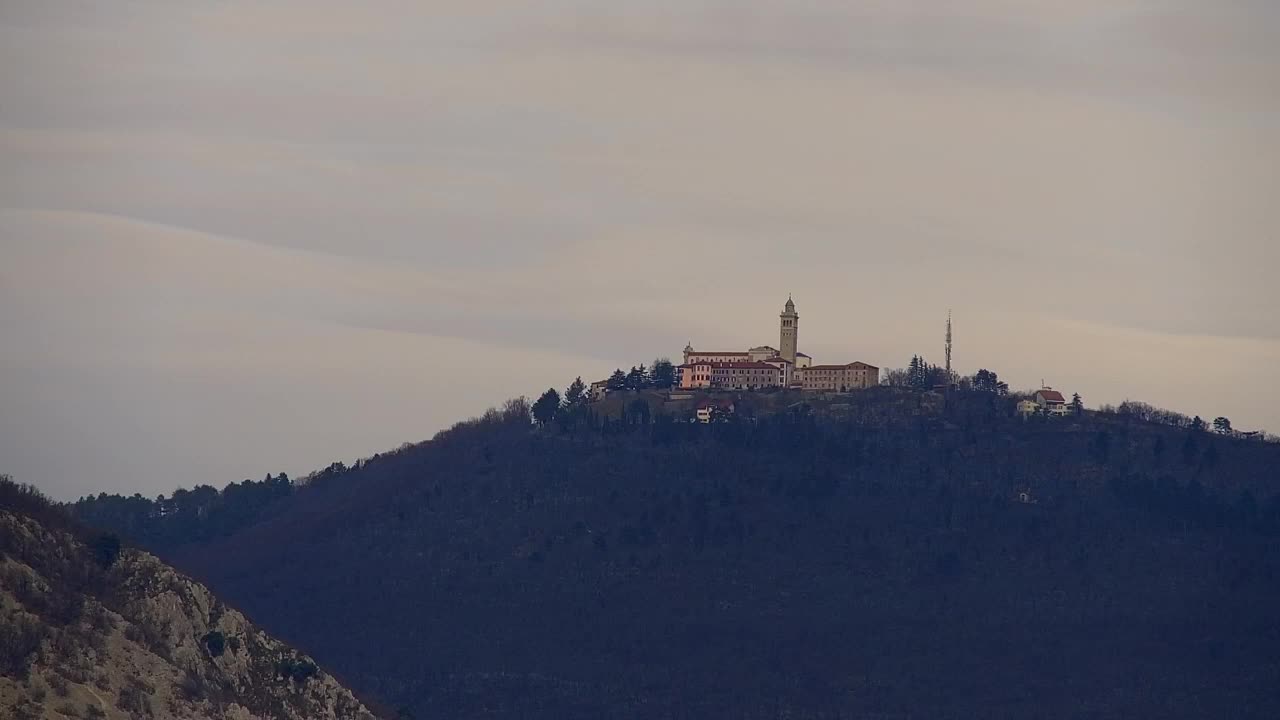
(93, 711)
(26, 710)
(60, 686)
(215, 643)
(192, 686)
(20, 638)
(133, 698)
(304, 671)
(106, 549)
(296, 670)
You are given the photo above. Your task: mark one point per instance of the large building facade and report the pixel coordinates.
(840, 378)
(765, 366)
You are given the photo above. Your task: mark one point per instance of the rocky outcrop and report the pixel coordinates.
(91, 631)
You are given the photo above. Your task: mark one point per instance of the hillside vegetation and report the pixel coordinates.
(91, 630)
(886, 554)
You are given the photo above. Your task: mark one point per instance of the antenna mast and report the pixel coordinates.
(948, 346)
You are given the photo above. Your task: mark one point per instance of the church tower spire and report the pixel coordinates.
(788, 330)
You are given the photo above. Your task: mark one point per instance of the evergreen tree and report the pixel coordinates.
(638, 378)
(662, 374)
(1077, 405)
(988, 381)
(915, 373)
(923, 376)
(1222, 426)
(1197, 423)
(545, 409)
(617, 381)
(575, 396)
(984, 380)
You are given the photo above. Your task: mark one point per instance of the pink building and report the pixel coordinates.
(736, 375)
(695, 375)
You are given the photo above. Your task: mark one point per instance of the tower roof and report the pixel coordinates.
(791, 306)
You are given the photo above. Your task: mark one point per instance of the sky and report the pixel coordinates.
(241, 238)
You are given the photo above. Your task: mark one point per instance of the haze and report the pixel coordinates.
(246, 237)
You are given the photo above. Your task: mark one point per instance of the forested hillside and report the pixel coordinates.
(895, 555)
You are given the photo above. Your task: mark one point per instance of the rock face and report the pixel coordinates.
(91, 631)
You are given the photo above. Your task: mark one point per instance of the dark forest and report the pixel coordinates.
(899, 555)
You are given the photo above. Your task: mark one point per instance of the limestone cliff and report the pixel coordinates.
(88, 630)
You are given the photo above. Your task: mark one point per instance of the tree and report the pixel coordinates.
(985, 381)
(923, 376)
(616, 381)
(1222, 425)
(1197, 423)
(216, 643)
(896, 377)
(545, 409)
(638, 378)
(106, 549)
(915, 372)
(662, 374)
(575, 396)
(1077, 405)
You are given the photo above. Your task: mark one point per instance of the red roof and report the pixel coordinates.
(841, 367)
(705, 352)
(1051, 395)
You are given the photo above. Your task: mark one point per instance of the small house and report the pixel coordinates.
(1051, 402)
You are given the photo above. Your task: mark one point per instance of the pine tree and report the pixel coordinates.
(914, 372)
(638, 378)
(575, 395)
(545, 409)
(616, 381)
(662, 374)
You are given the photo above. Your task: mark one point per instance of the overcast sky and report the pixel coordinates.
(242, 237)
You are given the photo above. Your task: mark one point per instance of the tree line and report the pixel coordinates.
(660, 375)
(920, 374)
(201, 512)
(571, 406)
(1220, 425)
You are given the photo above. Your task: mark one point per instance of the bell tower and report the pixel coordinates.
(789, 328)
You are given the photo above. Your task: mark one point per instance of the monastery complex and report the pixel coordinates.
(765, 366)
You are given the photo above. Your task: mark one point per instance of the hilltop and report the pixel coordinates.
(92, 630)
(886, 553)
